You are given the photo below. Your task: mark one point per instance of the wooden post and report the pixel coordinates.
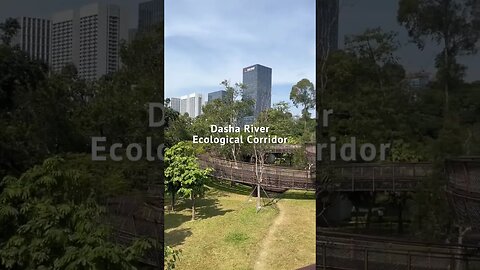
(409, 261)
(366, 258)
(324, 256)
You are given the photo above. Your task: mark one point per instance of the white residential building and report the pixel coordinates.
(175, 104)
(191, 104)
(89, 38)
(33, 37)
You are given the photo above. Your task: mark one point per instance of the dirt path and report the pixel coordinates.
(269, 239)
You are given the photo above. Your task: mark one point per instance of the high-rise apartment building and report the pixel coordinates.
(258, 82)
(191, 104)
(175, 104)
(89, 38)
(62, 40)
(33, 37)
(476, 14)
(150, 14)
(327, 26)
(221, 94)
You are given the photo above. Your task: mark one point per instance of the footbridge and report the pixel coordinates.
(342, 177)
(338, 250)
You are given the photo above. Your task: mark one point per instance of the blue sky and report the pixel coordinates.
(209, 41)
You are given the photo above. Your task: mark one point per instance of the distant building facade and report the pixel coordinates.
(89, 38)
(418, 80)
(132, 33)
(174, 104)
(258, 82)
(476, 14)
(63, 40)
(33, 38)
(221, 94)
(150, 14)
(191, 104)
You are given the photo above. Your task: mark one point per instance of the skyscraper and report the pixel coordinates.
(191, 104)
(62, 40)
(175, 104)
(33, 37)
(221, 94)
(89, 38)
(150, 14)
(327, 26)
(258, 82)
(476, 14)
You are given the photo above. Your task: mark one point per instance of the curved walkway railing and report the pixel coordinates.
(344, 177)
(272, 176)
(463, 189)
(336, 250)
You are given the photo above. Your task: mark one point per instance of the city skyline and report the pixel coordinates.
(87, 36)
(207, 43)
(257, 80)
(45, 9)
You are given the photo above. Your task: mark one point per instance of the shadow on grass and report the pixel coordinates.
(177, 237)
(175, 219)
(207, 208)
(204, 208)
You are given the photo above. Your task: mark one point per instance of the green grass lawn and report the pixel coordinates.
(228, 234)
(293, 242)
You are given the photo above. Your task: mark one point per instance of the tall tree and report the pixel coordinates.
(449, 23)
(303, 94)
(9, 29)
(228, 111)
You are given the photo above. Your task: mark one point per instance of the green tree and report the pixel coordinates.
(366, 93)
(183, 172)
(448, 23)
(228, 111)
(50, 220)
(280, 120)
(171, 257)
(303, 93)
(8, 30)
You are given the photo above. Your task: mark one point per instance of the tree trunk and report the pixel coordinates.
(258, 197)
(192, 196)
(173, 201)
(305, 115)
(447, 77)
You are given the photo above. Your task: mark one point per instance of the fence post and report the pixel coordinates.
(409, 261)
(366, 258)
(324, 256)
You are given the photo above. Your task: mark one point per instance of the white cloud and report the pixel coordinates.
(212, 40)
